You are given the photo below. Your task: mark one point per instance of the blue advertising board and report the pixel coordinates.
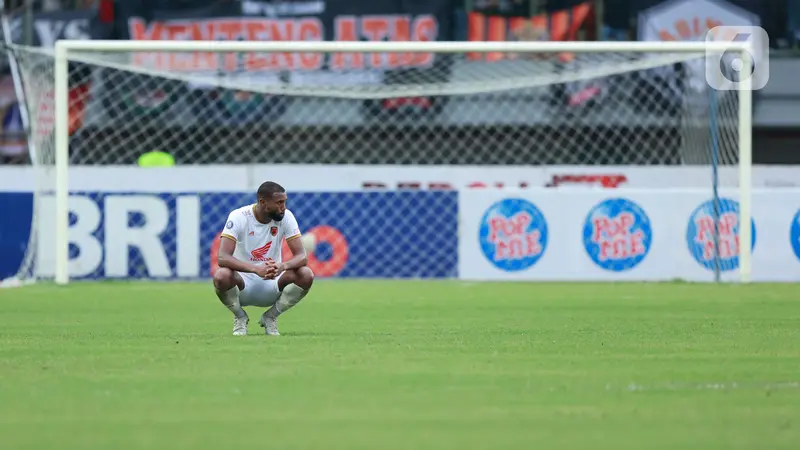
(170, 236)
(15, 229)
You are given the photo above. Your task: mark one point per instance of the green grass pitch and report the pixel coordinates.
(403, 365)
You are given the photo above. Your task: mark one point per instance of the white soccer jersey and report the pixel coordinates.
(258, 242)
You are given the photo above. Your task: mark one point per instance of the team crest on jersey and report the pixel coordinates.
(274, 231)
(229, 225)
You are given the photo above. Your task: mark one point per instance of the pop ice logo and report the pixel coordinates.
(513, 234)
(794, 234)
(701, 230)
(617, 234)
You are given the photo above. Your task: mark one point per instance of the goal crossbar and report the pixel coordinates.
(63, 49)
(400, 46)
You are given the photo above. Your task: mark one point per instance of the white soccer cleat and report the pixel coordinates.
(270, 325)
(240, 325)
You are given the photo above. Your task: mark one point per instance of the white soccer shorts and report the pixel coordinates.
(258, 291)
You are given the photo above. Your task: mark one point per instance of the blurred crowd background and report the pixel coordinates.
(617, 18)
(609, 20)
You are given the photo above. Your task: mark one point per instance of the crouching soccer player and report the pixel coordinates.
(251, 271)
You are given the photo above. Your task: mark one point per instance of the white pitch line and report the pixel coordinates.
(766, 386)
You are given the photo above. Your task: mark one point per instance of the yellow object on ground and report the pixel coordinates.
(156, 159)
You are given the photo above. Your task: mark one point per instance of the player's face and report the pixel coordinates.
(275, 207)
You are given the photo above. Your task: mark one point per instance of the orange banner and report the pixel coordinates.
(559, 26)
(345, 28)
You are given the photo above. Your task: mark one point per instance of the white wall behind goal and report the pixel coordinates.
(339, 178)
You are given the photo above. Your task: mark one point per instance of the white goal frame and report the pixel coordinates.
(63, 49)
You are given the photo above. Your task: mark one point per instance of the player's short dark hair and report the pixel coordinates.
(268, 189)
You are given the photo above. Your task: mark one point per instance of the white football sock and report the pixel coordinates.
(230, 299)
(291, 295)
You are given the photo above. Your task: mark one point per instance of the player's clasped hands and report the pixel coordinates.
(268, 271)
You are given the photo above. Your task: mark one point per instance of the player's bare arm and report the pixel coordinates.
(299, 256)
(226, 259)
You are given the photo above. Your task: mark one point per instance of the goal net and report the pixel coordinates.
(373, 143)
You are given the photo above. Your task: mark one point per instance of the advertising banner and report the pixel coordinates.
(123, 96)
(355, 178)
(625, 234)
(690, 20)
(132, 223)
(560, 25)
(170, 235)
(48, 27)
(332, 20)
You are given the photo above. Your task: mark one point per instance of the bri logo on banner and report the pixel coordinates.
(617, 234)
(513, 234)
(701, 231)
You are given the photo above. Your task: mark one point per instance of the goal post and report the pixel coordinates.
(61, 135)
(628, 56)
